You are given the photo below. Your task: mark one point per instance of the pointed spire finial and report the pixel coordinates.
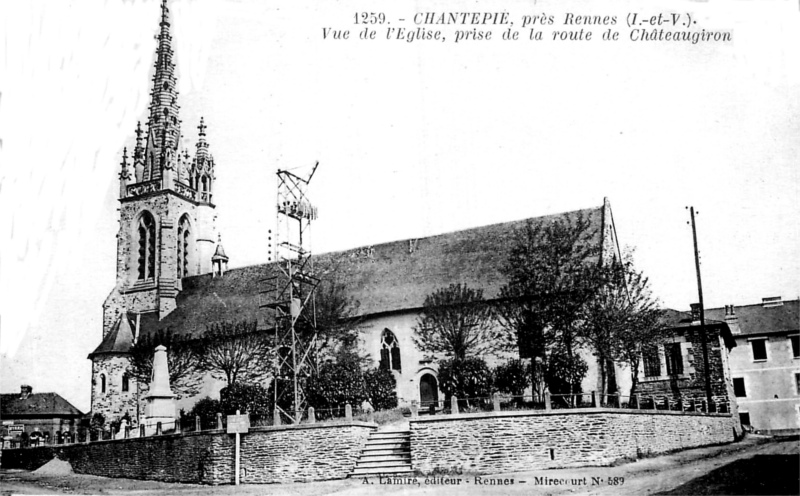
(202, 127)
(124, 173)
(164, 12)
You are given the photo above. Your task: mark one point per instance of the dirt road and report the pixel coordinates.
(753, 466)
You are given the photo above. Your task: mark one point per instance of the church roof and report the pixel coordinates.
(383, 278)
(38, 404)
(120, 338)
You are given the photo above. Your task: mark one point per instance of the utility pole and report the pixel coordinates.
(703, 336)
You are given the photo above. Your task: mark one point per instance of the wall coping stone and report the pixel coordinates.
(545, 413)
(329, 425)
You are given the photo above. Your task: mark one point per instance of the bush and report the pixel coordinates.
(512, 377)
(564, 374)
(251, 398)
(468, 378)
(335, 385)
(207, 409)
(380, 385)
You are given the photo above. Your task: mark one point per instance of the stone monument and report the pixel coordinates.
(160, 405)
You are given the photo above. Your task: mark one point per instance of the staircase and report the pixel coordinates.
(386, 452)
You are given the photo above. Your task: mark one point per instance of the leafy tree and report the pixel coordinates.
(623, 320)
(456, 322)
(552, 272)
(380, 385)
(511, 377)
(467, 378)
(237, 352)
(564, 373)
(183, 361)
(336, 315)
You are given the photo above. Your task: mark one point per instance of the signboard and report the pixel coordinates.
(238, 424)
(16, 428)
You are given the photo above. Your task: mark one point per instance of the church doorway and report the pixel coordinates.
(428, 391)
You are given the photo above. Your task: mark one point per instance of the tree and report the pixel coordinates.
(381, 388)
(337, 319)
(335, 385)
(183, 361)
(237, 352)
(553, 271)
(623, 320)
(456, 322)
(511, 377)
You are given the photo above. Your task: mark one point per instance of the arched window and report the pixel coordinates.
(125, 383)
(147, 246)
(390, 351)
(204, 184)
(102, 383)
(184, 251)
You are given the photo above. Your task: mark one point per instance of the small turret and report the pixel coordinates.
(219, 262)
(124, 174)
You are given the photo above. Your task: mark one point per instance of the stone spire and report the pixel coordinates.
(163, 133)
(219, 262)
(203, 166)
(124, 174)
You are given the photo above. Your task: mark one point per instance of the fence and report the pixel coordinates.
(198, 424)
(507, 402)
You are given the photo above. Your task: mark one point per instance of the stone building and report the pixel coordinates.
(44, 415)
(676, 369)
(765, 364)
(167, 242)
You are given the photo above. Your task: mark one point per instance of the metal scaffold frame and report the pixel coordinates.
(290, 295)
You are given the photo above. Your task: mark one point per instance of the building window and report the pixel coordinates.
(674, 359)
(795, 346)
(147, 246)
(183, 247)
(102, 383)
(797, 383)
(759, 347)
(738, 387)
(125, 383)
(652, 363)
(744, 417)
(390, 351)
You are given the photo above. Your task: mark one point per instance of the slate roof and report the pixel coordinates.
(682, 320)
(38, 404)
(757, 319)
(120, 338)
(383, 278)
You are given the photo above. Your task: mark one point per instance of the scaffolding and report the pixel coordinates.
(289, 296)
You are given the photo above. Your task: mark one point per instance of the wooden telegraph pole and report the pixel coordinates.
(703, 336)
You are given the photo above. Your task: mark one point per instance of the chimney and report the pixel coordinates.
(695, 313)
(732, 319)
(772, 301)
(25, 391)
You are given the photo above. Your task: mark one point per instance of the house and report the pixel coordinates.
(765, 364)
(675, 370)
(37, 415)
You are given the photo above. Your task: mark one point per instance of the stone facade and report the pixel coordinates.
(517, 441)
(268, 455)
(113, 403)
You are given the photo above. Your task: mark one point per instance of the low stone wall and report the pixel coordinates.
(305, 452)
(532, 440)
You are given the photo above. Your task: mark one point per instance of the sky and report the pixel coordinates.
(413, 139)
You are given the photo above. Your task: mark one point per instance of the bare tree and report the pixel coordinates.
(623, 320)
(183, 361)
(457, 322)
(237, 352)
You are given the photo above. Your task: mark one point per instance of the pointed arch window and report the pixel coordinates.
(147, 246)
(184, 247)
(102, 383)
(125, 383)
(390, 351)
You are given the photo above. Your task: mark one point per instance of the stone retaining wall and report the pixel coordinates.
(521, 441)
(306, 452)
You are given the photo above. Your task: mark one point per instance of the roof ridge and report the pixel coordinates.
(406, 240)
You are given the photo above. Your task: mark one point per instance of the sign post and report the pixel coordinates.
(238, 424)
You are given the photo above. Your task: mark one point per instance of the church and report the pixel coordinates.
(171, 267)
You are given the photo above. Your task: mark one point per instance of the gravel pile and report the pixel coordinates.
(54, 467)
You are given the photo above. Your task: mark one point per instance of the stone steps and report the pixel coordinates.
(385, 453)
